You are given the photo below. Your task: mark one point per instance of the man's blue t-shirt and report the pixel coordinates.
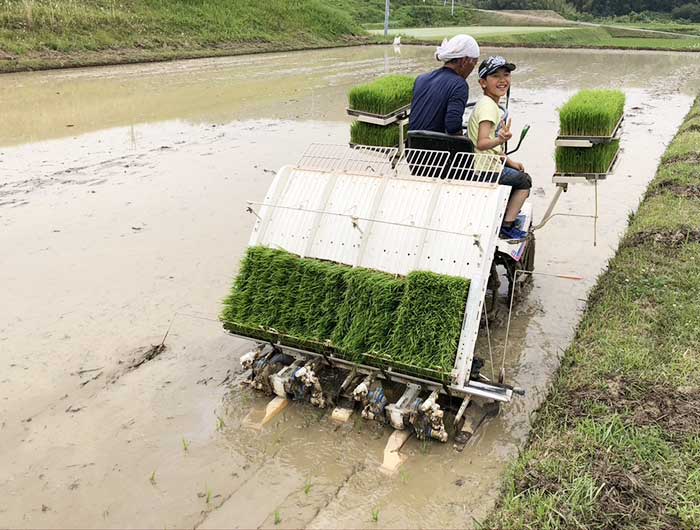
(439, 100)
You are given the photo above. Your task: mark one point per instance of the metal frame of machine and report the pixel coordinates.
(395, 212)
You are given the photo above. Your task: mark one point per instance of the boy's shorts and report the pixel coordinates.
(515, 179)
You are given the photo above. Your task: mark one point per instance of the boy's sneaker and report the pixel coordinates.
(512, 233)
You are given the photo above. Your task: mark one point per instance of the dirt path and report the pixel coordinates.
(132, 219)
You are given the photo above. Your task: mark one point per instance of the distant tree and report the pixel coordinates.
(689, 12)
(606, 8)
(561, 6)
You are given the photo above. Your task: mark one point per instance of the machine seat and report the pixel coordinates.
(437, 141)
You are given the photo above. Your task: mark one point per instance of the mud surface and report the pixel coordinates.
(122, 194)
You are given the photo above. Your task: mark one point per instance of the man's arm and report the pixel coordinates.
(456, 104)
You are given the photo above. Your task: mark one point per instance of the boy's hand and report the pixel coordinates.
(504, 133)
(517, 165)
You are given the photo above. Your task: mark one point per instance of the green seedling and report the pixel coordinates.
(278, 517)
(368, 313)
(307, 487)
(220, 425)
(185, 445)
(208, 495)
(375, 515)
(424, 446)
(153, 478)
(382, 96)
(429, 321)
(362, 315)
(403, 476)
(592, 113)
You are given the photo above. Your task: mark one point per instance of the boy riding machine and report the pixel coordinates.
(368, 266)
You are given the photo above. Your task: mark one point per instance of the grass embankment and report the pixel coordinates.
(671, 27)
(363, 315)
(45, 33)
(582, 37)
(617, 443)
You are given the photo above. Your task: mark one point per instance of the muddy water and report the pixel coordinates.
(121, 215)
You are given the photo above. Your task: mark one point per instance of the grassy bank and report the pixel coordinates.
(582, 37)
(617, 443)
(46, 33)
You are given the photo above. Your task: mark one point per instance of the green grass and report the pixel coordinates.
(367, 134)
(617, 442)
(595, 159)
(592, 113)
(418, 13)
(382, 96)
(58, 32)
(361, 315)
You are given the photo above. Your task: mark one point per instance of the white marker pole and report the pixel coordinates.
(386, 19)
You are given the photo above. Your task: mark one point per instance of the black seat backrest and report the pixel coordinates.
(436, 141)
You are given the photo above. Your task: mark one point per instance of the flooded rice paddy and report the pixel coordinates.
(122, 194)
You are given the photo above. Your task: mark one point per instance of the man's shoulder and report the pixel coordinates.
(444, 76)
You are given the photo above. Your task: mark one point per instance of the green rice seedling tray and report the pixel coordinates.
(585, 141)
(593, 164)
(410, 323)
(383, 98)
(592, 114)
(362, 133)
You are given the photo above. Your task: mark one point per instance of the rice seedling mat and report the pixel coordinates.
(357, 314)
(362, 208)
(563, 177)
(383, 101)
(590, 127)
(592, 113)
(585, 141)
(364, 133)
